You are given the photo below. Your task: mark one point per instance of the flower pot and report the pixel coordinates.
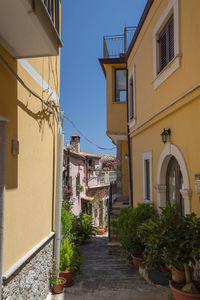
(136, 261)
(100, 231)
(179, 295)
(177, 275)
(58, 288)
(68, 275)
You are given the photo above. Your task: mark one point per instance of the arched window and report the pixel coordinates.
(174, 183)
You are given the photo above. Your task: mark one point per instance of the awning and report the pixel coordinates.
(86, 198)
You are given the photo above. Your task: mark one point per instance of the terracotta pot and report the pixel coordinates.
(100, 231)
(179, 295)
(136, 261)
(106, 229)
(58, 288)
(177, 275)
(68, 275)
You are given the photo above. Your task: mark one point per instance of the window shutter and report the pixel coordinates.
(166, 44)
(163, 50)
(131, 99)
(171, 39)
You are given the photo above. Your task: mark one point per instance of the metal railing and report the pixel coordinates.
(117, 45)
(53, 9)
(96, 177)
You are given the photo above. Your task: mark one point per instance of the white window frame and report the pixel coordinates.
(147, 156)
(173, 8)
(131, 77)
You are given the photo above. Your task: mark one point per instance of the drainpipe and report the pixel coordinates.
(2, 191)
(129, 147)
(59, 194)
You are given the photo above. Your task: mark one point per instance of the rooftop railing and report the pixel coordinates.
(53, 9)
(117, 45)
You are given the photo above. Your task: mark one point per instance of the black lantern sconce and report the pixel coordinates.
(164, 134)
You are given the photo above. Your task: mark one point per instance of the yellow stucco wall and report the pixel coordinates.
(30, 176)
(116, 111)
(124, 165)
(182, 117)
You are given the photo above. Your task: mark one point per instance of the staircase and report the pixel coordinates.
(114, 239)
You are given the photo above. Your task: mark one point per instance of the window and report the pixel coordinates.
(120, 85)
(132, 112)
(166, 43)
(147, 176)
(77, 184)
(131, 97)
(91, 164)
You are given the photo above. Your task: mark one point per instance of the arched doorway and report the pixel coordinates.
(174, 184)
(172, 160)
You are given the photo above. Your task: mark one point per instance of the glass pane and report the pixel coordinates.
(172, 185)
(181, 197)
(147, 171)
(120, 84)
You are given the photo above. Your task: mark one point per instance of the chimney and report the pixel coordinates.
(75, 143)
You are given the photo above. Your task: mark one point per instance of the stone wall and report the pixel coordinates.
(31, 281)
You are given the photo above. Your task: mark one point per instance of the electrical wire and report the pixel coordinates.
(46, 102)
(88, 140)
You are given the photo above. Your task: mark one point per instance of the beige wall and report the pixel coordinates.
(30, 176)
(183, 117)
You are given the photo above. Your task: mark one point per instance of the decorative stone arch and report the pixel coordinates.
(169, 151)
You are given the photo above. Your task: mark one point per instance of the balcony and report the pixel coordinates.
(30, 28)
(116, 45)
(98, 178)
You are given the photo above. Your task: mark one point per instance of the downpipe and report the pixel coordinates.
(59, 194)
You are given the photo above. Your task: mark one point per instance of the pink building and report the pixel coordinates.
(88, 183)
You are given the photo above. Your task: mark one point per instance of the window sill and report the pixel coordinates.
(172, 66)
(132, 122)
(122, 102)
(147, 201)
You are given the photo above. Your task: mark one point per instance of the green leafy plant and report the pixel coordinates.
(80, 189)
(127, 227)
(83, 228)
(67, 223)
(54, 274)
(70, 257)
(90, 168)
(172, 240)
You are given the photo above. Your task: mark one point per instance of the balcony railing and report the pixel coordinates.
(97, 178)
(52, 7)
(117, 45)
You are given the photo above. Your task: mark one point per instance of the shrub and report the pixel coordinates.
(83, 228)
(128, 223)
(70, 257)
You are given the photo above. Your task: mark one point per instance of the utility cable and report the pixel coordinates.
(48, 103)
(88, 140)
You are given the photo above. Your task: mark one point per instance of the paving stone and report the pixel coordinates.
(110, 277)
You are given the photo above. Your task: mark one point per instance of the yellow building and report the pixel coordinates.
(29, 106)
(163, 102)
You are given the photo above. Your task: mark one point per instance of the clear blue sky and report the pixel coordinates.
(83, 85)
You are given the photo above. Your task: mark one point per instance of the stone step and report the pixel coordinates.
(114, 247)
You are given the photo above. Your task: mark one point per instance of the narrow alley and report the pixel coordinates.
(109, 277)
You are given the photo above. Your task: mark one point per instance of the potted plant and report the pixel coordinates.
(70, 260)
(173, 240)
(127, 228)
(57, 282)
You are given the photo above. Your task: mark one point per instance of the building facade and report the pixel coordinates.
(163, 103)
(87, 182)
(29, 105)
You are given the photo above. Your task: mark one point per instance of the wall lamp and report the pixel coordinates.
(164, 134)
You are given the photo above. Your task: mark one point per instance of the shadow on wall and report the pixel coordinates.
(8, 109)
